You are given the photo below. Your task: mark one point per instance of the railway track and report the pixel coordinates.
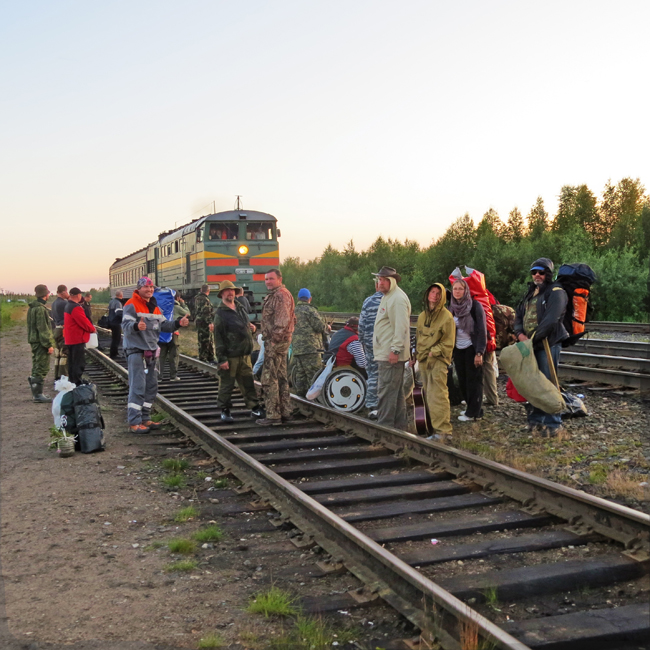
(460, 545)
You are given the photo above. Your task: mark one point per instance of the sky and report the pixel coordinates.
(345, 119)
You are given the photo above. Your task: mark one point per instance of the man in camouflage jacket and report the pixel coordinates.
(367, 319)
(233, 338)
(307, 343)
(204, 313)
(39, 336)
(278, 321)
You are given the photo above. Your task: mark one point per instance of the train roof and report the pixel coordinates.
(135, 254)
(229, 215)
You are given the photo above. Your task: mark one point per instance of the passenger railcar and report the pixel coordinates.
(237, 245)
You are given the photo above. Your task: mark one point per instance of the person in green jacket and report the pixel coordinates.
(39, 336)
(233, 343)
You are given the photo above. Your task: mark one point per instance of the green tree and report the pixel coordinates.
(537, 220)
(514, 229)
(490, 224)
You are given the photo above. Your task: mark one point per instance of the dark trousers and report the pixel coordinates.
(116, 335)
(470, 379)
(76, 362)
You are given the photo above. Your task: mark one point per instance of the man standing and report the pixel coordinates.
(204, 313)
(76, 333)
(242, 299)
(142, 322)
(60, 349)
(115, 310)
(233, 338)
(39, 336)
(390, 344)
(278, 321)
(366, 331)
(307, 342)
(86, 306)
(541, 313)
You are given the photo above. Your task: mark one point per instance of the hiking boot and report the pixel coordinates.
(226, 417)
(150, 424)
(37, 391)
(257, 412)
(268, 422)
(139, 428)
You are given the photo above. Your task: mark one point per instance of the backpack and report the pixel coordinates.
(165, 299)
(504, 322)
(576, 280)
(81, 416)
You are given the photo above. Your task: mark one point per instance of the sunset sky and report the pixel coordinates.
(344, 119)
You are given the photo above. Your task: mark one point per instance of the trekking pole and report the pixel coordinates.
(551, 365)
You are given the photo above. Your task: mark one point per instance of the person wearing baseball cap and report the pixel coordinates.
(39, 336)
(540, 313)
(77, 329)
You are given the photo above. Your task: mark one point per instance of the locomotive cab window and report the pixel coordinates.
(259, 231)
(221, 231)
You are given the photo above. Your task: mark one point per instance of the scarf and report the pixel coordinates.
(460, 309)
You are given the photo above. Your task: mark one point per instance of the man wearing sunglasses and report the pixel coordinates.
(541, 313)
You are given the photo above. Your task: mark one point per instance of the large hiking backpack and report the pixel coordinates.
(576, 280)
(165, 299)
(504, 323)
(81, 417)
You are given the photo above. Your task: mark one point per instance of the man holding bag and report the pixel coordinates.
(539, 316)
(76, 333)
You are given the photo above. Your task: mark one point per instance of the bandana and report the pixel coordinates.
(144, 281)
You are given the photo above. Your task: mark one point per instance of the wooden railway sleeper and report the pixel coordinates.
(366, 594)
(331, 566)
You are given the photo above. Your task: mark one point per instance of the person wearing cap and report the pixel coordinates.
(142, 322)
(233, 344)
(539, 316)
(39, 337)
(77, 329)
(204, 317)
(60, 349)
(307, 343)
(346, 348)
(278, 321)
(367, 319)
(391, 347)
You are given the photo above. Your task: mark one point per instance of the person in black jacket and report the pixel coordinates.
(539, 316)
(469, 348)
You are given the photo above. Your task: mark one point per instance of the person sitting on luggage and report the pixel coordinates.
(469, 348)
(346, 347)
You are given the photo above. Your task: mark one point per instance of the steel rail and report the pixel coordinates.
(437, 613)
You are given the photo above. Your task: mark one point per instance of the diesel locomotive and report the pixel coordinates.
(237, 245)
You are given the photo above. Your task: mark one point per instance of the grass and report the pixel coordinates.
(210, 534)
(220, 483)
(627, 484)
(12, 313)
(491, 596)
(185, 514)
(154, 546)
(175, 464)
(182, 565)
(174, 481)
(211, 640)
(201, 476)
(158, 416)
(313, 634)
(273, 602)
(598, 475)
(182, 546)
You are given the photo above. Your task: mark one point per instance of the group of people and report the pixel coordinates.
(62, 332)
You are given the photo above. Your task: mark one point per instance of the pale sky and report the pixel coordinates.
(345, 119)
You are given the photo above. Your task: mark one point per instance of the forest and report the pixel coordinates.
(610, 233)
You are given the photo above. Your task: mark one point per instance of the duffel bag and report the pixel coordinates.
(89, 420)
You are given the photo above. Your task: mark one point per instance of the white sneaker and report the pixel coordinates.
(464, 403)
(464, 418)
(463, 412)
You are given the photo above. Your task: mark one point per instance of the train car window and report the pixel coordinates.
(199, 235)
(259, 231)
(176, 246)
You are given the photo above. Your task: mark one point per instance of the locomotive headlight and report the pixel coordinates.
(242, 250)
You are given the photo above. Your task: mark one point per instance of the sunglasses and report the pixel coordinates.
(537, 273)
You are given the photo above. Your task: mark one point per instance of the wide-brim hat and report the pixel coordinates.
(388, 272)
(226, 284)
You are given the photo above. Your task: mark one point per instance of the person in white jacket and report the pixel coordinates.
(391, 340)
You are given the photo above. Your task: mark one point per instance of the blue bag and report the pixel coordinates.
(165, 299)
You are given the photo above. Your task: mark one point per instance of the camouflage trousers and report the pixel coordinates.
(305, 367)
(206, 343)
(373, 373)
(40, 361)
(275, 383)
(240, 372)
(60, 354)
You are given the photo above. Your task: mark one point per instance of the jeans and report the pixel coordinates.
(537, 417)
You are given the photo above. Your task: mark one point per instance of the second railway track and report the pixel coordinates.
(507, 544)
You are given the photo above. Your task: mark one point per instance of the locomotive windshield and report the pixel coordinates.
(220, 231)
(259, 231)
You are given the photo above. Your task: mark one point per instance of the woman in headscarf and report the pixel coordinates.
(471, 338)
(434, 345)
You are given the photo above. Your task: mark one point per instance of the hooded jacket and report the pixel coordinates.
(76, 325)
(435, 331)
(393, 325)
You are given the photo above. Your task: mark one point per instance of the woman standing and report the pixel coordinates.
(471, 339)
(434, 346)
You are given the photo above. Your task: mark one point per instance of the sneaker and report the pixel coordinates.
(267, 422)
(257, 412)
(464, 418)
(463, 412)
(152, 425)
(139, 428)
(372, 415)
(226, 417)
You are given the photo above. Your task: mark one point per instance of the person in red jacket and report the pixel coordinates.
(76, 333)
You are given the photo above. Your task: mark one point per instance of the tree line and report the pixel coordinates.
(610, 233)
